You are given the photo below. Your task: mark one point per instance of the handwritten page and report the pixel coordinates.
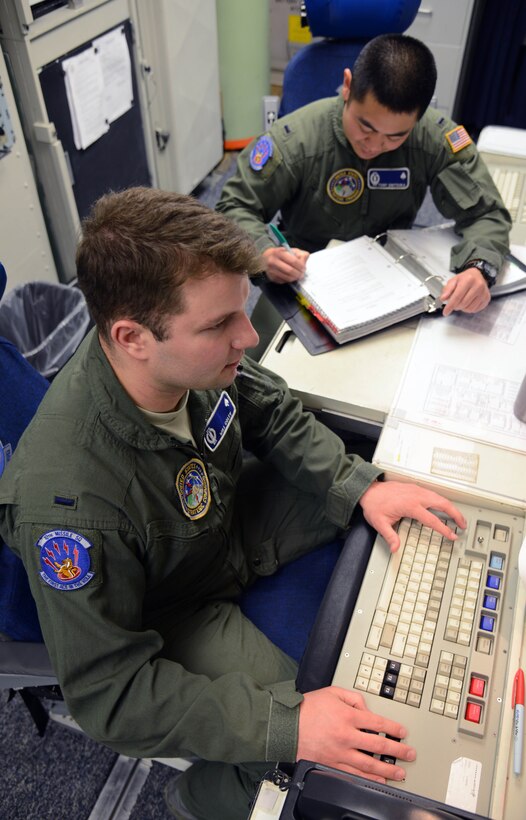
(357, 282)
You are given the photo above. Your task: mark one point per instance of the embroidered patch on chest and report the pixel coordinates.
(219, 422)
(64, 559)
(388, 179)
(193, 489)
(345, 186)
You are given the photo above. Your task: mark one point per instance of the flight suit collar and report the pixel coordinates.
(118, 411)
(339, 133)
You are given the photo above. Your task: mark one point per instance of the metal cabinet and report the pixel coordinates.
(444, 26)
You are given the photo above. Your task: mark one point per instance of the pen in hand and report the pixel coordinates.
(279, 236)
(518, 720)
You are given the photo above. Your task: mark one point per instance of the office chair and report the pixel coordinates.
(316, 70)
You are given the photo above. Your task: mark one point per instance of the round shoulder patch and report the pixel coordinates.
(193, 489)
(261, 153)
(345, 186)
(64, 559)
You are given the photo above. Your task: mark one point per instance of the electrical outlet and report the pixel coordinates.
(270, 110)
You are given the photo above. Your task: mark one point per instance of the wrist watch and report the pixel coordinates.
(488, 271)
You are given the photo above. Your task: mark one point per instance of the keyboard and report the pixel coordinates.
(427, 646)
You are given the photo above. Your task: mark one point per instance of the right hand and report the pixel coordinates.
(331, 732)
(284, 265)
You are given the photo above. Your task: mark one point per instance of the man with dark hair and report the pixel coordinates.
(361, 163)
(139, 521)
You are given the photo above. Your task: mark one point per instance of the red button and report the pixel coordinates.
(473, 712)
(477, 686)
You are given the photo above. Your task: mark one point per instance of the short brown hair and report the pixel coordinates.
(139, 246)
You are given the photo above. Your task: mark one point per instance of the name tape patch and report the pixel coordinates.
(219, 422)
(388, 179)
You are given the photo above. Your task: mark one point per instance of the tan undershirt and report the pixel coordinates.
(176, 422)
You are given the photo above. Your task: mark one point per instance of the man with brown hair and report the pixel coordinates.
(132, 472)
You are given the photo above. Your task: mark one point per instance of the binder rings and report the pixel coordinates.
(365, 285)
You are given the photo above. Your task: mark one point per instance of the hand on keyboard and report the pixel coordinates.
(384, 503)
(336, 729)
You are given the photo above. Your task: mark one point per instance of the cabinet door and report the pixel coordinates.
(444, 22)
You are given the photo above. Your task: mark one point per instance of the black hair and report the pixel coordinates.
(398, 70)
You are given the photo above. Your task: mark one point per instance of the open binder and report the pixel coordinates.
(364, 285)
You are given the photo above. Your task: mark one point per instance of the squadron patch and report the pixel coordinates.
(5, 455)
(345, 186)
(388, 179)
(193, 489)
(219, 421)
(64, 559)
(261, 153)
(458, 138)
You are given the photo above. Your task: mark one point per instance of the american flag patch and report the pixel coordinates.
(458, 138)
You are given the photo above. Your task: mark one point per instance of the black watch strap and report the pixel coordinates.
(488, 271)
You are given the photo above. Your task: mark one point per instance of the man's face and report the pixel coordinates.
(206, 342)
(370, 128)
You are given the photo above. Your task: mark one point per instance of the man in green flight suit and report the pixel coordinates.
(361, 163)
(140, 522)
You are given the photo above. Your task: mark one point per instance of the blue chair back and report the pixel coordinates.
(21, 390)
(316, 70)
(359, 18)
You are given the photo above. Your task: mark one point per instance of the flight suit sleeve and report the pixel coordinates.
(260, 187)
(464, 191)
(117, 681)
(309, 455)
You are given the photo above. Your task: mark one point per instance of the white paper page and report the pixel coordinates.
(85, 93)
(432, 246)
(450, 382)
(357, 282)
(116, 68)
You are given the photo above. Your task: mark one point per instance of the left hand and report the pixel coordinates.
(466, 291)
(384, 503)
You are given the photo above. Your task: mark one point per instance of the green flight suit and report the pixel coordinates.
(137, 545)
(304, 162)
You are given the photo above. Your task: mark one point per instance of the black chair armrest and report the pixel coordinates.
(321, 655)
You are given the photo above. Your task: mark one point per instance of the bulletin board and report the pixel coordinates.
(118, 158)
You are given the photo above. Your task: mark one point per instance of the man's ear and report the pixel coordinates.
(131, 338)
(346, 87)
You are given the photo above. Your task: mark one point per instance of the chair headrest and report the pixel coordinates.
(3, 280)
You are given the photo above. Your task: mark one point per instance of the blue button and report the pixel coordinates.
(490, 602)
(493, 581)
(487, 623)
(496, 561)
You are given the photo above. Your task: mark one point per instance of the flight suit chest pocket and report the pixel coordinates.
(171, 544)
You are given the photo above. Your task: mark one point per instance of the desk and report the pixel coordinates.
(353, 385)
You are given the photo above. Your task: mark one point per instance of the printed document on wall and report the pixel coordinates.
(115, 61)
(85, 93)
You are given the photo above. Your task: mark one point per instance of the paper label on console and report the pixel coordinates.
(464, 783)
